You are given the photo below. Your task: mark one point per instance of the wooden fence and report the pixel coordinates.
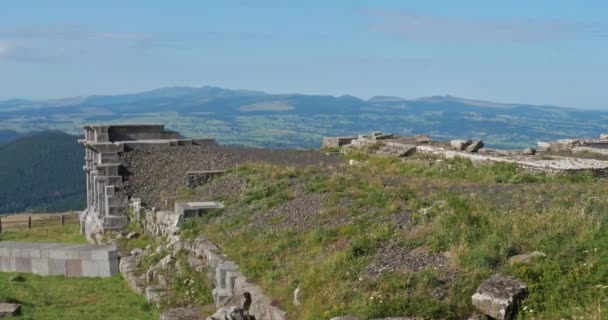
(21, 221)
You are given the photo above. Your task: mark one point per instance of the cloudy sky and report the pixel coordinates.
(543, 52)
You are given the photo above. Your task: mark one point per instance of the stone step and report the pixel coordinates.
(114, 222)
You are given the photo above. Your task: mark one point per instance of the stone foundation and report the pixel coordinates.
(336, 142)
(59, 259)
(229, 283)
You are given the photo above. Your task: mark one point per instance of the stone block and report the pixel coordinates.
(65, 252)
(499, 297)
(73, 268)
(460, 145)
(90, 268)
(40, 266)
(475, 146)
(23, 264)
(57, 267)
(8, 264)
(527, 258)
(104, 253)
(9, 309)
(30, 252)
(182, 314)
(104, 268)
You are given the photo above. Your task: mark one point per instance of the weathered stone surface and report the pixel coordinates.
(475, 146)
(423, 138)
(132, 235)
(544, 146)
(499, 296)
(155, 295)
(336, 142)
(477, 316)
(231, 313)
(182, 314)
(604, 136)
(396, 150)
(460, 145)
(58, 259)
(528, 152)
(165, 262)
(526, 258)
(597, 151)
(296, 296)
(9, 309)
(353, 162)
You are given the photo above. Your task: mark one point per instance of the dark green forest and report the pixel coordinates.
(40, 173)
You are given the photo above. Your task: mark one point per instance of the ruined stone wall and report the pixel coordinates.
(58, 259)
(107, 199)
(336, 142)
(229, 283)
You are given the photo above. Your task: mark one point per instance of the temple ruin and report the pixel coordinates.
(107, 203)
(147, 162)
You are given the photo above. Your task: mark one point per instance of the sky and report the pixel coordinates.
(540, 52)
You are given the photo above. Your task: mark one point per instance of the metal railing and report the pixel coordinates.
(29, 223)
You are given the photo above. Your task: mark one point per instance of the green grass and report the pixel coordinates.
(75, 298)
(61, 234)
(479, 215)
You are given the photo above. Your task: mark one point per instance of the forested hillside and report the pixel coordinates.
(42, 172)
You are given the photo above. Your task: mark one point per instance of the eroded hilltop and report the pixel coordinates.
(380, 229)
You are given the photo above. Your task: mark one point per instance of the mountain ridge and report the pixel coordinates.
(215, 91)
(256, 118)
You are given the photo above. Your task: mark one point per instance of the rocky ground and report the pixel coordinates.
(154, 173)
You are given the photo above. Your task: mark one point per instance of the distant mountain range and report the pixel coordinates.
(44, 168)
(298, 121)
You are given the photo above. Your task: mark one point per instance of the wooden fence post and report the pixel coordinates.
(29, 222)
(0, 225)
(62, 219)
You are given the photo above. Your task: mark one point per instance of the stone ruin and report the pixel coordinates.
(110, 202)
(559, 157)
(147, 161)
(107, 203)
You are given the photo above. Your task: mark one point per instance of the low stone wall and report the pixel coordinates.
(335, 142)
(553, 165)
(229, 283)
(59, 259)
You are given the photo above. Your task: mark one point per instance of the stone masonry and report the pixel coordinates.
(107, 203)
(69, 260)
(336, 142)
(527, 159)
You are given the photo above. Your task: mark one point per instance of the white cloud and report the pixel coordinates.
(434, 28)
(120, 36)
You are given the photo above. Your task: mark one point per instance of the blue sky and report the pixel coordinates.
(542, 52)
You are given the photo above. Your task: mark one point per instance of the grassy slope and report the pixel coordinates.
(59, 234)
(75, 298)
(478, 215)
(70, 298)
